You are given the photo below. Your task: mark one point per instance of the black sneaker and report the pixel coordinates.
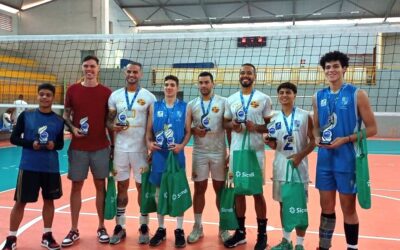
(261, 243)
(238, 238)
(49, 242)
(118, 235)
(158, 237)
(11, 243)
(180, 241)
(144, 237)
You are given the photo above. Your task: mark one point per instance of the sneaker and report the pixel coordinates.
(284, 245)
(144, 237)
(261, 243)
(49, 242)
(70, 238)
(102, 235)
(224, 235)
(238, 238)
(196, 234)
(158, 237)
(11, 243)
(299, 247)
(180, 241)
(118, 235)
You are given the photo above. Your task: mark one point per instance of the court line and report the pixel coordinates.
(386, 197)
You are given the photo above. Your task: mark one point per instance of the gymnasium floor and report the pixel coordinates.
(378, 226)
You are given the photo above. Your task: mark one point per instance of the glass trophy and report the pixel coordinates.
(241, 116)
(271, 131)
(84, 126)
(169, 134)
(122, 120)
(43, 136)
(205, 123)
(160, 138)
(326, 136)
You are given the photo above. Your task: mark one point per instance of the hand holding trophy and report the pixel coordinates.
(84, 126)
(122, 120)
(43, 136)
(271, 131)
(241, 116)
(205, 122)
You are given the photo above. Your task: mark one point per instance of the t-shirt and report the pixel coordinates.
(90, 102)
(6, 124)
(214, 140)
(20, 106)
(285, 147)
(132, 139)
(259, 108)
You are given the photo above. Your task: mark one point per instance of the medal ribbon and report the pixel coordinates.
(246, 108)
(289, 129)
(332, 100)
(205, 113)
(129, 104)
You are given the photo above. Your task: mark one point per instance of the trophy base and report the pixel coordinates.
(123, 126)
(271, 138)
(325, 142)
(240, 121)
(43, 143)
(83, 133)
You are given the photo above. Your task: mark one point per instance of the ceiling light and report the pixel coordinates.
(278, 15)
(246, 17)
(147, 20)
(130, 16)
(317, 14)
(212, 18)
(31, 5)
(355, 12)
(178, 19)
(8, 9)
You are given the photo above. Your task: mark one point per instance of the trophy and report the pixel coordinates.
(241, 115)
(159, 138)
(326, 136)
(122, 120)
(43, 136)
(169, 134)
(84, 129)
(271, 131)
(205, 122)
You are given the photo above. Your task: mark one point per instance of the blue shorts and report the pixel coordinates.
(343, 182)
(155, 178)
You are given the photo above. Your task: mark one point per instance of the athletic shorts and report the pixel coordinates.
(29, 183)
(260, 158)
(328, 180)
(124, 162)
(203, 164)
(80, 161)
(277, 190)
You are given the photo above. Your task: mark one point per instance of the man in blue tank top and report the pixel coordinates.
(339, 111)
(168, 128)
(40, 132)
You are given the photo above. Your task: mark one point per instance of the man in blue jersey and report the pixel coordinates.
(42, 131)
(168, 128)
(339, 111)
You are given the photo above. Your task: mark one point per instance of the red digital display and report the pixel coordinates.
(252, 41)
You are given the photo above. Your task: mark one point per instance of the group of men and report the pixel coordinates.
(137, 124)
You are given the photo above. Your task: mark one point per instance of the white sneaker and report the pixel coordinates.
(196, 234)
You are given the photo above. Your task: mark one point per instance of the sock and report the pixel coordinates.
(351, 232)
(262, 226)
(197, 219)
(326, 228)
(46, 230)
(179, 222)
(120, 218)
(286, 235)
(13, 233)
(300, 240)
(160, 219)
(144, 219)
(241, 223)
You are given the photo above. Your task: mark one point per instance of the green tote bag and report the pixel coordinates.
(362, 171)
(110, 204)
(247, 175)
(147, 194)
(227, 213)
(294, 203)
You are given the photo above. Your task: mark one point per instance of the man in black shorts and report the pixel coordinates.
(39, 167)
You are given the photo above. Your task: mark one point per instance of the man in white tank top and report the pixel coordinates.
(209, 149)
(129, 107)
(290, 135)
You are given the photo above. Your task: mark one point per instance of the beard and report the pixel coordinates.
(205, 92)
(246, 84)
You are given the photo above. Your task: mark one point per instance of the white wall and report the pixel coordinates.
(14, 24)
(120, 21)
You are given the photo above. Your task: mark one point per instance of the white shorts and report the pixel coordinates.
(203, 164)
(260, 158)
(277, 187)
(125, 161)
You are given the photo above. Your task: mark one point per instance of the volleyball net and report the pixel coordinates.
(279, 56)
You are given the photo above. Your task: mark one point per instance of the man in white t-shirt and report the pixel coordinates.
(129, 107)
(20, 106)
(209, 149)
(255, 106)
(292, 129)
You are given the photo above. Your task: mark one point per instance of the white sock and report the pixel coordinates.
(13, 233)
(197, 219)
(352, 246)
(179, 222)
(286, 235)
(46, 230)
(120, 218)
(144, 219)
(300, 240)
(160, 219)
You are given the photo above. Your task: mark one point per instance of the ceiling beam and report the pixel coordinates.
(363, 8)
(262, 9)
(319, 10)
(230, 13)
(196, 4)
(294, 12)
(341, 6)
(389, 9)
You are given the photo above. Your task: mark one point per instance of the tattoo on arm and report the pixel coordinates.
(67, 118)
(110, 118)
